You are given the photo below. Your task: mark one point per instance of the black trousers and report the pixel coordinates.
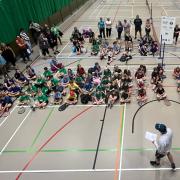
(138, 30)
(119, 34)
(176, 37)
(108, 32)
(24, 54)
(102, 31)
(45, 51)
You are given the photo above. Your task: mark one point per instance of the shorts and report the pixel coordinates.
(71, 99)
(159, 156)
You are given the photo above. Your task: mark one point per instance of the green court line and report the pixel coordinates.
(147, 149)
(40, 131)
(59, 150)
(84, 150)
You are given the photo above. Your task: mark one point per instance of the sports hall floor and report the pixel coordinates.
(48, 144)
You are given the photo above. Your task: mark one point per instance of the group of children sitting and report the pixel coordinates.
(157, 78)
(100, 46)
(176, 75)
(96, 85)
(148, 46)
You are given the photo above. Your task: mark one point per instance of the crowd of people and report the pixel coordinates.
(46, 37)
(59, 84)
(94, 85)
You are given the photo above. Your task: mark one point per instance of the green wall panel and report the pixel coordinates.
(17, 13)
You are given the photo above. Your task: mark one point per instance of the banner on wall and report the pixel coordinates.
(167, 29)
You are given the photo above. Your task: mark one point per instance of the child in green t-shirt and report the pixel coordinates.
(41, 100)
(24, 99)
(47, 74)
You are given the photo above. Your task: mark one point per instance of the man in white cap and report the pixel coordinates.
(163, 145)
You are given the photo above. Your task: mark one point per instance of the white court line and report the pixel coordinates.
(14, 133)
(86, 170)
(95, 57)
(165, 11)
(132, 11)
(100, 10)
(79, 105)
(172, 10)
(122, 143)
(7, 116)
(96, 8)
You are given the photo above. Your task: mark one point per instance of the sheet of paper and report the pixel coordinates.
(150, 136)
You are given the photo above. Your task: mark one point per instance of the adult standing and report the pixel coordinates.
(148, 27)
(119, 28)
(35, 30)
(43, 44)
(55, 30)
(101, 26)
(8, 54)
(26, 39)
(108, 27)
(126, 26)
(2, 66)
(163, 145)
(137, 23)
(23, 48)
(176, 33)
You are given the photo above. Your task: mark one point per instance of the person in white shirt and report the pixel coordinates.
(108, 27)
(163, 145)
(126, 26)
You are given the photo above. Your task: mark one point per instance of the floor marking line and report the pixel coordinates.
(86, 170)
(7, 116)
(41, 129)
(59, 150)
(116, 174)
(49, 139)
(14, 133)
(165, 11)
(99, 139)
(81, 105)
(85, 150)
(97, 6)
(122, 142)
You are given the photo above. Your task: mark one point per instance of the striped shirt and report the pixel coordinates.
(24, 36)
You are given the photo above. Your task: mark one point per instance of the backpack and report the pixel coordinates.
(123, 59)
(85, 98)
(63, 107)
(90, 70)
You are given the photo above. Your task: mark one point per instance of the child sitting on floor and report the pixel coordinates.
(95, 48)
(116, 48)
(98, 98)
(160, 93)
(57, 97)
(71, 98)
(41, 100)
(54, 65)
(141, 98)
(125, 98)
(24, 100)
(31, 73)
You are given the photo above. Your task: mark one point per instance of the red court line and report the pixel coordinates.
(49, 139)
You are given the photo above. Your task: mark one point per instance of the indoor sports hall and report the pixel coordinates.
(94, 142)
